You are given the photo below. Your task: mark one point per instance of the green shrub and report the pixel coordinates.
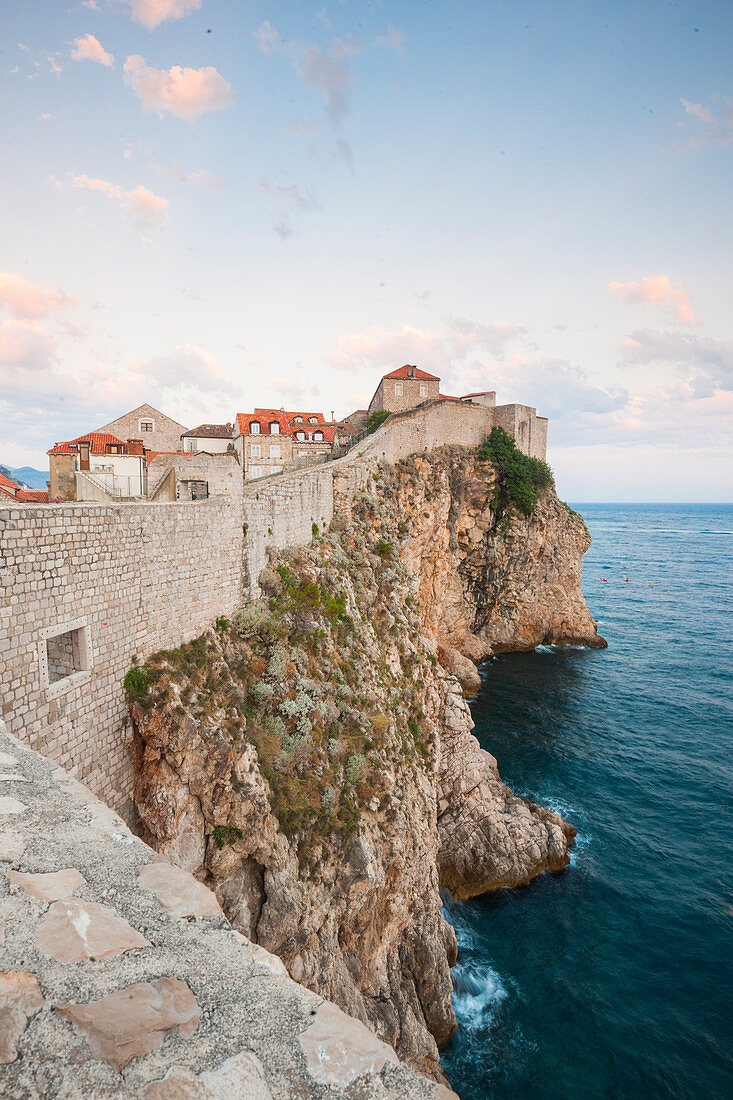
(226, 834)
(314, 530)
(355, 768)
(383, 549)
(521, 478)
(222, 625)
(376, 419)
(138, 680)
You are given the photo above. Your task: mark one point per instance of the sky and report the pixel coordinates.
(212, 205)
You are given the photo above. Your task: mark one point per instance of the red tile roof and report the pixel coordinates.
(33, 496)
(9, 486)
(284, 420)
(328, 431)
(447, 397)
(98, 441)
(412, 372)
(480, 393)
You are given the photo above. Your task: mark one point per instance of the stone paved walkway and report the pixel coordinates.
(121, 977)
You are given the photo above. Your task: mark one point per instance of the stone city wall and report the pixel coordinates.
(140, 577)
(148, 576)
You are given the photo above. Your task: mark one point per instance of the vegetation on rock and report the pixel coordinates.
(521, 478)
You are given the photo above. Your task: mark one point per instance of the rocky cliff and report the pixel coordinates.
(312, 760)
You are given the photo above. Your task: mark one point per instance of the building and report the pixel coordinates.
(263, 442)
(404, 388)
(212, 438)
(157, 430)
(303, 439)
(97, 466)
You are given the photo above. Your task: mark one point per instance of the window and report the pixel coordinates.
(199, 490)
(255, 471)
(312, 419)
(64, 656)
(300, 436)
(274, 427)
(255, 451)
(398, 389)
(318, 437)
(423, 389)
(298, 420)
(254, 427)
(274, 450)
(147, 425)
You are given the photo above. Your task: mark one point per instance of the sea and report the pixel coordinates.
(613, 978)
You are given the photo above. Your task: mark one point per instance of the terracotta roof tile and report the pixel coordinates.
(98, 441)
(8, 485)
(33, 496)
(412, 372)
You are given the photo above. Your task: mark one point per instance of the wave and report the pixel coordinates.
(557, 648)
(477, 993)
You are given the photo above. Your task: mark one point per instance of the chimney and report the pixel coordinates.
(135, 447)
(410, 372)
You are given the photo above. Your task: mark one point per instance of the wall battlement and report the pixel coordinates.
(147, 576)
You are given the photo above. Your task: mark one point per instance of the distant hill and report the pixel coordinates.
(26, 475)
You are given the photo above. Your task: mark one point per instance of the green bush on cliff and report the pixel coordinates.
(521, 478)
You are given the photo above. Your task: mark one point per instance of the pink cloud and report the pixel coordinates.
(186, 93)
(29, 302)
(89, 48)
(141, 207)
(328, 71)
(151, 13)
(434, 351)
(654, 291)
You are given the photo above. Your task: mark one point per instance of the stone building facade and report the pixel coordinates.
(404, 388)
(157, 431)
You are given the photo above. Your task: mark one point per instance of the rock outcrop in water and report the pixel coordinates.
(313, 763)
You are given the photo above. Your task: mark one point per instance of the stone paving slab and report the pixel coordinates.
(121, 977)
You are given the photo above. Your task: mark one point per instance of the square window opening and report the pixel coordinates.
(64, 653)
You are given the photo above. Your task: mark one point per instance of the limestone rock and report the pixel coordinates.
(20, 997)
(74, 930)
(433, 584)
(134, 1021)
(338, 1049)
(178, 891)
(48, 885)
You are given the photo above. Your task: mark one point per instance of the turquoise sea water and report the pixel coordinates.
(613, 978)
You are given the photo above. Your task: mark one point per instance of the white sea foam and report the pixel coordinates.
(477, 993)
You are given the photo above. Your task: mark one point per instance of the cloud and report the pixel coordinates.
(302, 200)
(186, 93)
(434, 351)
(24, 345)
(203, 179)
(151, 13)
(655, 290)
(329, 71)
(710, 126)
(394, 39)
(91, 4)
(707, 364)
(88, 48)
(141, 207)
(28, 302)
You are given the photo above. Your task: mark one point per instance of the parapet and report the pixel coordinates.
(121, 977)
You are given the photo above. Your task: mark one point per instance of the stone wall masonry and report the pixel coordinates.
(142, 577)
